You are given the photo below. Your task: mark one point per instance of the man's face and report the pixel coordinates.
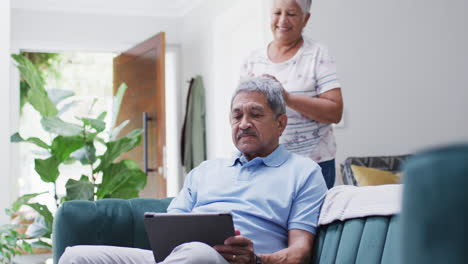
(255, 132)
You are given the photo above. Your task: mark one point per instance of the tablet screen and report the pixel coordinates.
(166, 231)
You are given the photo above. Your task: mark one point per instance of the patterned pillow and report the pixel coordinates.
(387, 163)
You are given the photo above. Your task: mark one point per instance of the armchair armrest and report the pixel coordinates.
(114, 222)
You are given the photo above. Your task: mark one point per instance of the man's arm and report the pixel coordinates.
(239, 249)
(185, 200)
(298, 251)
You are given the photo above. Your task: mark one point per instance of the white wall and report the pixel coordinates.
(215, 38)
(197, 37)
(47, 30)
(172, 152)
(403, 67)
(236, 31)
(5, 187)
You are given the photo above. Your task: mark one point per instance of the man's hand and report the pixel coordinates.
(237, 249)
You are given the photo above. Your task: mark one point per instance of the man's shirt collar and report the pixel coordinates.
(275, 159)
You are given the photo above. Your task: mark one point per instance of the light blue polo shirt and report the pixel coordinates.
(267, 196)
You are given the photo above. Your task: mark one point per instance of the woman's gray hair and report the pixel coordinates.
(304, 5)
(271, 88)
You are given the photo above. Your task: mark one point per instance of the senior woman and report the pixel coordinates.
(310, 85)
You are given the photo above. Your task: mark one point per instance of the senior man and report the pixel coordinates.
(274, 195)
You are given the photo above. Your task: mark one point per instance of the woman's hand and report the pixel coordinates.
(285, 93)
(237, 249)
(327, 108)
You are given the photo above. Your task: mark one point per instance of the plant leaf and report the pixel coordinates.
(38, 228)
(45, 213)
(11, 239)
(136, 133)
(116, 102)
(80, 190)
(23, 200)
(97, 124)
(102, 116)
(58, 95)
(92, 105)
(57, 126)
(117, 148)
(101, 140)
(122, 180)
(116, 131)
(66, 107)
(24, 89)
(16, 137)
(8, 212)
(27, 246)
(40, 244)
(86, 155)
(42, 103)
(47, 168)
(34, 140)
(70, 160)
(62, 146)
(36, 95)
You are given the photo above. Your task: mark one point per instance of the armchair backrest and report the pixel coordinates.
(435, 203)
(113, 222)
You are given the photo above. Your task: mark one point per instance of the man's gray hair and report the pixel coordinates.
(305, 6)
(271, 88)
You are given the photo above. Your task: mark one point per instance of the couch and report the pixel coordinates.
(120, 223)
(431, 227)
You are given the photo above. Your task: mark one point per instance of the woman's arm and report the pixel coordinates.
(327, 108)
(298, 251)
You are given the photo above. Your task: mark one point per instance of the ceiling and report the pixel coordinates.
(150, 8)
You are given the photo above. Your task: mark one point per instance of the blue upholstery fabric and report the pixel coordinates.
(120, 223)
(105, 222)
(393, 244)
(373, 239)
(435, 207)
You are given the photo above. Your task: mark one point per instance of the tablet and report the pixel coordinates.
(166, 231)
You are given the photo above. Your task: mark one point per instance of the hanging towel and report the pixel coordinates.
(193, 142)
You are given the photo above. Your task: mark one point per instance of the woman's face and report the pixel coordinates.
(287, 20)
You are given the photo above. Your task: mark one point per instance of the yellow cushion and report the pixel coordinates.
(370, 176)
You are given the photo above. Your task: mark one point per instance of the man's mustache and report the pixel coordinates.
(246, 133)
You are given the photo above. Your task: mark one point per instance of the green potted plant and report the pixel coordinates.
(107, 177)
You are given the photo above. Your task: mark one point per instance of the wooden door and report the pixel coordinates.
(142, 69)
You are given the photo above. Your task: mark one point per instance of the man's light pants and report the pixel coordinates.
(194, 252)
